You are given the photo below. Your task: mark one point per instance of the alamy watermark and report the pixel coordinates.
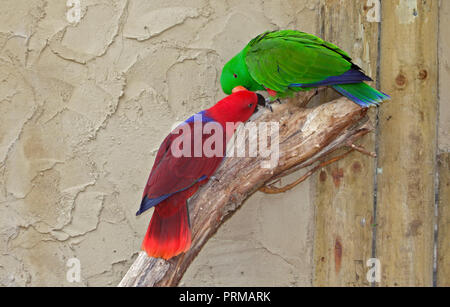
(73, 14)
(374, 13)
(209, 140)
(73, 274)
(374, 273)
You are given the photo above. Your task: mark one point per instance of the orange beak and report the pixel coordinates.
(238, 89)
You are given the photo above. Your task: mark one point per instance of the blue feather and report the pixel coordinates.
(351, 76)
(205, 118)
(148, 203)
(362, 94)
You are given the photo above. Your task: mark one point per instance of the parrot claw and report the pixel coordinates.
(268, 104)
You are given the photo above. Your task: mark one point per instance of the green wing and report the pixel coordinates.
(281, 58)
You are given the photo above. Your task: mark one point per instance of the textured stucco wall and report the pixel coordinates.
(83, 110)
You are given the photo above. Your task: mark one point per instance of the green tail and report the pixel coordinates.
(362, 94)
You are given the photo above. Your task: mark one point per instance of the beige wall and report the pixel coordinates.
(83, 110)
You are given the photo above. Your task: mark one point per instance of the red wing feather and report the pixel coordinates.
(171, 174)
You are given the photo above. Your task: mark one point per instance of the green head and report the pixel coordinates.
(235, 74)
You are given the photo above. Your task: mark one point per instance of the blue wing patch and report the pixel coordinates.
(351, 76)
(148, 203)
(204, 118)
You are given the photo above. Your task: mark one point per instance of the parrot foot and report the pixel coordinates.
(271, 189)
(215, 179)
(361, 149)
(279, 101)
(267, 105)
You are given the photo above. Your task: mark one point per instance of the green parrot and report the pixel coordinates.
(287, 61)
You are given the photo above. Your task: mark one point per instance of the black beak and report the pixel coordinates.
(260, 103)
(261, 100)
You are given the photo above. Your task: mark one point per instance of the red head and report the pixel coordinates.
(237, 107)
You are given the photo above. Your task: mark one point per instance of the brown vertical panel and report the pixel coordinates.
(443, 251)
(443, 248)
(407, 142)
(344, 191)
(444, 76)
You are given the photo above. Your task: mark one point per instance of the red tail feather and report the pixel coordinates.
(169, 233)
(167, 236)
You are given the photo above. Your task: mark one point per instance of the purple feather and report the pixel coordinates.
(351, 76)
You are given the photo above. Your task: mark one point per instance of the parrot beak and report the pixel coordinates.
(261, 102)
(238, 89)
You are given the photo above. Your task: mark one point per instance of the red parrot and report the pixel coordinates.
(174, 178)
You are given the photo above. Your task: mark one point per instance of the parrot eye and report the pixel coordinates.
(250, 105)
(235, 76)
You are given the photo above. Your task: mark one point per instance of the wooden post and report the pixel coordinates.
(407, 143)
(443, 235)
(344, 191)
(443, 247)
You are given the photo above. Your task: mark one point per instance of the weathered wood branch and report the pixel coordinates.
(305, 137)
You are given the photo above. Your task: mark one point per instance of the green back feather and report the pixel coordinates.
(278, 59)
